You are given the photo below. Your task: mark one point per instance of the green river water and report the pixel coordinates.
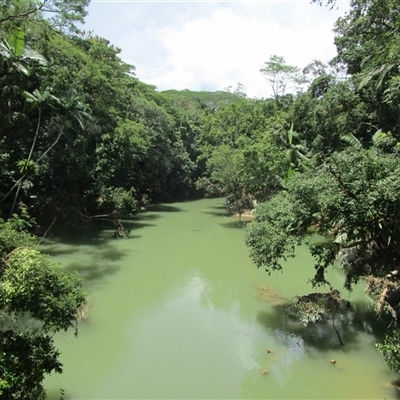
(179, 311)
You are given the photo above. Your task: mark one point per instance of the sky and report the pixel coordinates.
(211, 45)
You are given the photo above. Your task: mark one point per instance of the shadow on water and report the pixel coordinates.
(93, 253)
(144, 215)
(100, 232)
(235, 224)
(163, 208)
(95, 263)
(222, 207)
(132, 224)
(216, 213)
(359, 321)
(92, 272)
(94, 247)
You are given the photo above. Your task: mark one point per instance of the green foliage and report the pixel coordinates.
(226, 177)
(276, 231)
(25, 358)
(32, 284)
(368, 41)
(123, 201)
(13, 234)
(62, 14)
(348, 127)
(390, 349)
(191, 100)
(17, 41)
(240, 156)
(354, 195)
(37, 299)
(25, 165)
(84, 125)
(264, 165)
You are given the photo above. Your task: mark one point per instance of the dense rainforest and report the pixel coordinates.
(82, 138)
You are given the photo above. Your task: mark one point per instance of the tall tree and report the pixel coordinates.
(279, 75)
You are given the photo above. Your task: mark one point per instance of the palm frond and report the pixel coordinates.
(351, 140)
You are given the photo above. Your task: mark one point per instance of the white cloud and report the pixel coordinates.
(210, 52)
(212, 46)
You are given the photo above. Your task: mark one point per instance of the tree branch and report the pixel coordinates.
(23, 14)
(20, 15)
(341, 183)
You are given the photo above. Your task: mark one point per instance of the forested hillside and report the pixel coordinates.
(81, 137)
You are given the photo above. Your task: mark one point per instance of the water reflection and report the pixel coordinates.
(356, 325)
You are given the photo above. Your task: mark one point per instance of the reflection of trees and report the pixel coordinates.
(288, 331)
(299, 361)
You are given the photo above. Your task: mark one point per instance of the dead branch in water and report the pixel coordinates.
(119, 232)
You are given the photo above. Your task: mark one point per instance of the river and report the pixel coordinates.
(180, 311)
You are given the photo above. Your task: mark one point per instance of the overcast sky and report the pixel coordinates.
(210, 45)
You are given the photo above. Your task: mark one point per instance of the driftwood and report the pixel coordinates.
(120, 231)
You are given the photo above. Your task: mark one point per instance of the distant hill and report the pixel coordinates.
(190, 100)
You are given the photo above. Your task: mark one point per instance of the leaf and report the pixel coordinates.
(351, 140)
(17, 41)
(289, 175)
(379, 72)
(291, 134)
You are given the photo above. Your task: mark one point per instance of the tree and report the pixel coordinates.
(240, 90)
(264, 168)
(354, 196)
(367, 41)
(279, 75)
(62, 14)
(226, 178)
(242, 160)
(37, 299)
(73, 108)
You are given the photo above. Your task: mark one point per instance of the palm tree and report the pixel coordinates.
(295, 151)
(295, 156)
